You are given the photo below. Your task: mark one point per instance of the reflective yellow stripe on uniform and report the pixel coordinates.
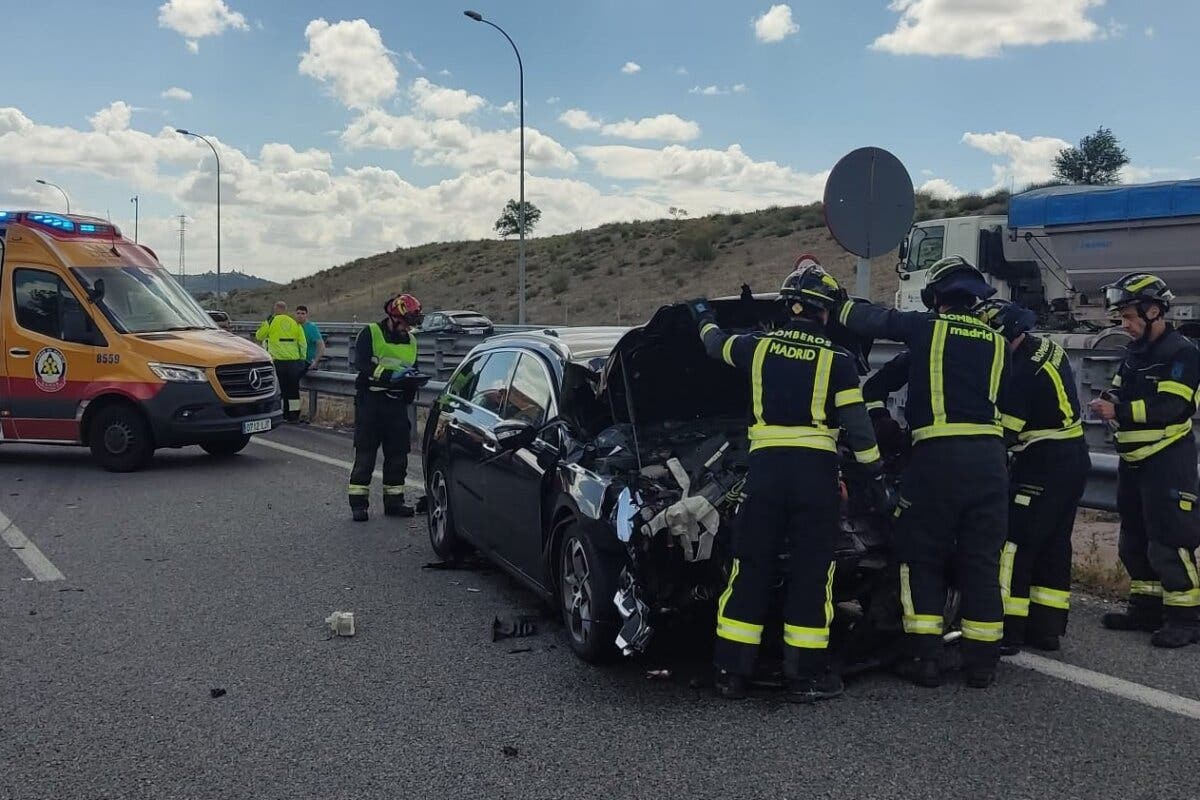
(1051, 598)
(808, 638)
(1146, 588)
(1014, 424)
(792, 436)
(925, 624)
(727, 351)
(1162, 438)
(874, 404)
(1189, 566)
(1188, 599)
(756, 385)
(732, 629)
(1176, 388)
(1064, 402)
(956, 429)
(1013, 606)
(844, 314)
(393, 490)
(997, 366)
(1073, 432)
(1137, 410)
(356, 489)
(867, 456)
(821, 387)
(848, 397)
(937, 389)
(982, 631)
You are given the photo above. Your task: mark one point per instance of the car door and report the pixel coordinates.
(50, 355)
(514, 478)
(471, 429)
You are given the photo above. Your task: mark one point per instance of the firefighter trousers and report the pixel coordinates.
(379, 421)
(791, 505)
(953, 517)
(1160, 531)
(289, 373)
(1045, 485)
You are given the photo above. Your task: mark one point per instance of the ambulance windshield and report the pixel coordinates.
(144, 299)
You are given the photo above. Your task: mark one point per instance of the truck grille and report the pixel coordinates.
(247, 380)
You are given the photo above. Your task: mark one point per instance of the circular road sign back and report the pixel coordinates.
(869, 202)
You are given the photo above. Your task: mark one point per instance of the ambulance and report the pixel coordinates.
(101, 348)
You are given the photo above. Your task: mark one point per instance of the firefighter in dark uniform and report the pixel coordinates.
(954, 491)
(803, 390)
(386, 356)
(1040, 412)
(1153, 400)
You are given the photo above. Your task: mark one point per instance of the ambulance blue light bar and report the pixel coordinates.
(53, 221)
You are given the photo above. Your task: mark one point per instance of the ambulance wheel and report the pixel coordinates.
(120, 439)
(226, 445)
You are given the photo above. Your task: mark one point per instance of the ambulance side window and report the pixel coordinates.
(46, 305)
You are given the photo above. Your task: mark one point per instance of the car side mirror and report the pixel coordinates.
(902, 253)
(513, 434)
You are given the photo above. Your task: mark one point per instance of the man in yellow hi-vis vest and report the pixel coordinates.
(284, 340)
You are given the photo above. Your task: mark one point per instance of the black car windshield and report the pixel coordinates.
(144, 299)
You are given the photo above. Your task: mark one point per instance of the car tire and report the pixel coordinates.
(587, 582)
(443, 535)
(120, 439)
(226, 446)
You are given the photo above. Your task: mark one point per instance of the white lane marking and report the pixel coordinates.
(1155, 698)
(28, 552)
(333, 462)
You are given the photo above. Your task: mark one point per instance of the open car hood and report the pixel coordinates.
(660, 372)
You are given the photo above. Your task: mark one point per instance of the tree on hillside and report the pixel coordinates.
(509, 222)
(1096, 161)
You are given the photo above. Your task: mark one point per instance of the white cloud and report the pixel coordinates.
(438, 101)
(1115, 30)
(410, 58)
(452, 143)
(114, 118)
(708, 91)
(681, 71)
(940, 189)
(983, 28)
(195, 19)
(553, 100)
(1131, 173)
(1026, 161)
(508, 108)
(738, 88)
(285, 158)
(1149, 32)
(351, 56)
(175, 93)
(579, 120)
(630, 68)
(667, 127)
(776, 24)
(445, 73)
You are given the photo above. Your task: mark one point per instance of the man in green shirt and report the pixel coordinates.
(312, 336)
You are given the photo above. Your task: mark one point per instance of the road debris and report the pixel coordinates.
(510, 751)
(514, 628)
(215, 693)
(658, 675)
(516, 650)
(341, 623)
(472, 589)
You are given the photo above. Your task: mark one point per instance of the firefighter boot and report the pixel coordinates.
(925, 672)
(730, 685)
(980, 676)
(1142, 614)
(393, 506)
(1182, 628)
(811, 689)
(358, 507)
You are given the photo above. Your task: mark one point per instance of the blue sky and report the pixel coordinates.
(385, 123)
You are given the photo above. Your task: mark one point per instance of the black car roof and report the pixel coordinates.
(580, 345)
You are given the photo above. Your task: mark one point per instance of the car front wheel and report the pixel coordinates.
(587, 582)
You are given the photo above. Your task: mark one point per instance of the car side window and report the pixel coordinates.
(46, 305)
(491, 388)
(530, 395)
(462, 384)
(436, 322)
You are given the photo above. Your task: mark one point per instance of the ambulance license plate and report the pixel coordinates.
(256, 426)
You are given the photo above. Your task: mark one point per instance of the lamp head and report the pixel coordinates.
(475, 15)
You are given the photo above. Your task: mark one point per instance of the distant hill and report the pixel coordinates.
(206, 282)
(617, 273)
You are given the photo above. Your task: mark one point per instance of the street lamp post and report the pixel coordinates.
(475, 15)
(218, 158)
(134, 200)
(56, 186)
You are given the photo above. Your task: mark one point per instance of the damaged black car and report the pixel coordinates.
(603, 467)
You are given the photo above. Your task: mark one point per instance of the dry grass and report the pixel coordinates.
(1096, 567)
(620, 272)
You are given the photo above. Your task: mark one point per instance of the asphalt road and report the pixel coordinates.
(200, 574)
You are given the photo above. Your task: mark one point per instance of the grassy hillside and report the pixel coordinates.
(617, 273)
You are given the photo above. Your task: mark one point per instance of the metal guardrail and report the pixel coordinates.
(440, 356)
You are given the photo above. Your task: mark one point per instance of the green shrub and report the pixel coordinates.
(560, 281)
